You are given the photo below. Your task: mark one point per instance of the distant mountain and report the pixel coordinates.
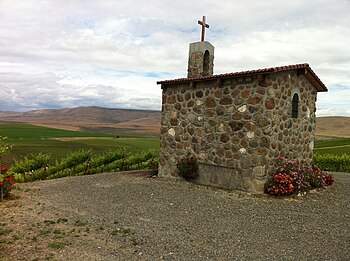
(333, 126)
(92, 119)
(135, 122)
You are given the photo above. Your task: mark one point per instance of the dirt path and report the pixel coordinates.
(90, 138)
(333, 147)
(131, 217)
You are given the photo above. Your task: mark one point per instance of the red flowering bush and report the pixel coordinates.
(290, 177)
(328, 179)
(7, 183)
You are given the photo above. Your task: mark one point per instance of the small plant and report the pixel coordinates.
(49, 256)
(49, 222)
(126, 231)
(56, 245)
(188, 168)
(62, 220)
(80, 223)
(5, 231)
(57, 231)
(16, 237)
(153, 164)
(114, 232)
(291, 177)
(4, 148)
(44, 233)
(134, 241)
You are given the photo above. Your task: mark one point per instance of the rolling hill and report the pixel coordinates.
(333, 126)
(92, 119)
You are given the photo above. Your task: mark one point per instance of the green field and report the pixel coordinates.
(28, 139)
(333, 146)
(27, 132)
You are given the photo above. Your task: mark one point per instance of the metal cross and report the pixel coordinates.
(203, 24)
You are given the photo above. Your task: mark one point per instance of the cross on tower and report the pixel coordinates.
(203, 24)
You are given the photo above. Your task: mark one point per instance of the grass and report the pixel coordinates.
(114, 232)
(333, 146)
(56, 245)
(62, 220)
(334, 150)
(16, 237)
(28, 132)
(44, 233)
(332, 143)
(49, 222)
(131, 144)
(80, 223)
(28, 139)
(5, 231)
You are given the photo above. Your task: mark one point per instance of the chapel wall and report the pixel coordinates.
(294, 137)
(236, 127)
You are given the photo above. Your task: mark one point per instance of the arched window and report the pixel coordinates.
(206, 63)
(295, 105)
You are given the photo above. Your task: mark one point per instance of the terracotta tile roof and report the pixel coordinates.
(311, 75)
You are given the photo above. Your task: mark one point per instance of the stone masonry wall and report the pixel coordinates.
(196, 60)
(237, 129)
(294, 137)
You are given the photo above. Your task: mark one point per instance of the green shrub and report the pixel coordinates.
(108, 157)
(31, 163)
(75, 158)
(81, 163)
(331, 162)
(4, 148)
(152, 165)
(188, 168)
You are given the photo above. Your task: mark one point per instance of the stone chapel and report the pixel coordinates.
(237, 124)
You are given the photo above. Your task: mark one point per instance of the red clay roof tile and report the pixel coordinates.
(311, 75)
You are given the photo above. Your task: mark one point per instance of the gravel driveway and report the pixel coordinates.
(131, 217)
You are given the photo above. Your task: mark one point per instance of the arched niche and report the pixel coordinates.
(206, 63)
(295, 105)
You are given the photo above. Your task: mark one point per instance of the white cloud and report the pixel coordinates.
(111, 53)
(20, 92)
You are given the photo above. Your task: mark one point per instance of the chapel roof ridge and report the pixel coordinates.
(320, 86)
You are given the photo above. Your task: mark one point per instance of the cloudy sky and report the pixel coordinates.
(69, 53)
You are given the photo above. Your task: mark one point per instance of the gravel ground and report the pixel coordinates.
(131, 217)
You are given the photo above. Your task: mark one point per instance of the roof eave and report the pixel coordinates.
(310, 74)
(315, 81)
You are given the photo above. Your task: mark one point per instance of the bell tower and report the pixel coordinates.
(201, 56)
